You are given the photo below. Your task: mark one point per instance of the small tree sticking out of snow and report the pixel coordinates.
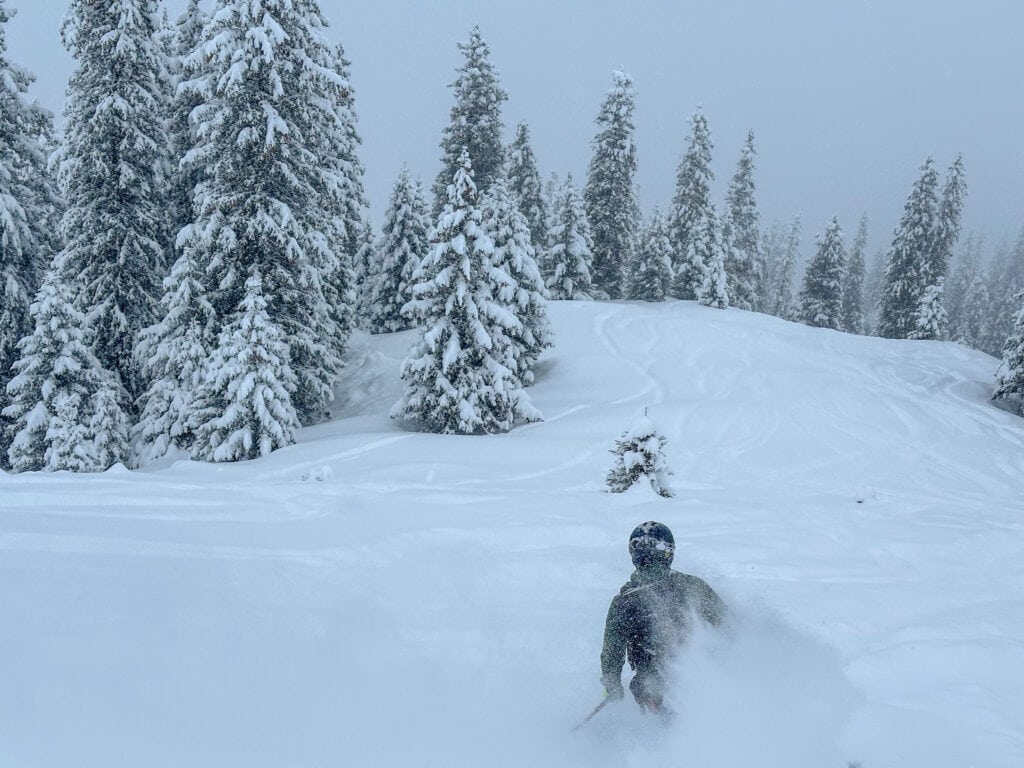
(639, 452)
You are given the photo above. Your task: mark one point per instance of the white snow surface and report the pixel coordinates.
(375, 597)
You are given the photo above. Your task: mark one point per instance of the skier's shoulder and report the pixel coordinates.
(700, 595)
(689, 582)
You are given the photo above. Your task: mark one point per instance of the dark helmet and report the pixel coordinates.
(651, 543)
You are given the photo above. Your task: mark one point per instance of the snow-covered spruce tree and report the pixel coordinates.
(1005, 283)
(610, 192)
(269, 127)
(186, 165)
(691, 210)
(1010, 376)
(474, 124)
(403, 244)
(873, 291)
(784, 302)
(342, 174)
(65, 408)
(28, 208)
(459, 376)
(821, 300)
(523, 292)
(525, 184)
(568, 260)
(947, 225)
(651, 274)
(639, 453)
(172, 356)
(244, 405)
(111, 170)
(741, 237)
(966, 296)
(705, 246)
(908, 258)
(363, 272)
(931, 314)
(853, 282)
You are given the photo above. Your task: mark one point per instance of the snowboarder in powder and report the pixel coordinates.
(651, 616)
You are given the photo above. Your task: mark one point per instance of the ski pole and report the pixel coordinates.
(597, 709)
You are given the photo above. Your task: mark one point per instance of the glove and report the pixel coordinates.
(612, 687)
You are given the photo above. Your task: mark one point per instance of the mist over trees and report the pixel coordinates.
(199, 245)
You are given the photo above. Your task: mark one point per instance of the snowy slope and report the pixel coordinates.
(372, 597)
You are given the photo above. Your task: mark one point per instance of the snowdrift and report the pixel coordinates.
(374, 597)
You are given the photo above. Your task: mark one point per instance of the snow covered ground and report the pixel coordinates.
(372, 597)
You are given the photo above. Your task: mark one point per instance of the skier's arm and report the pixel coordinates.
(710, 605)
(613, 654)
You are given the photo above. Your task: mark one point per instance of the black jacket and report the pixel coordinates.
(653, 614)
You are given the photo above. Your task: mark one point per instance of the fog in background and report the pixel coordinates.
(846, 99)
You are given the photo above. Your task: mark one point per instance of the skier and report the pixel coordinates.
(651, 616)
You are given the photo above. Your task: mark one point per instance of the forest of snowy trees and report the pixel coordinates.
(182, 269)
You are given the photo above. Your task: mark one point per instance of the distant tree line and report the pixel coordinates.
(183, 269)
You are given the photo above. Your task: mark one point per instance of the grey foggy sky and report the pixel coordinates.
(846, 99)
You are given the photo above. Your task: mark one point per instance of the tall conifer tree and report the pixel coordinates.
(460, 376)
(610, 191)
(569, 257)
(908, 258)
(741, 235)
(474, 124)
(403, 245)
(1010, 376)
(821, 300)
(853, 282)
(28, 208)
(525, 185)
(651, 274)
(692, 211)
(65, 408)
(267, 209)
(523, 295)
(112, 171)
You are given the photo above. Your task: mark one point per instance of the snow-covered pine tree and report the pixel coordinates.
(364, 270)
(28, 208)
(244, 404)
(112, 173)
(610, 191)
(966, 296)
(873, 291)
(853, 282)
(638, 453)
(525, 184)
(1010, 376)
(403, 244)
(1005, 282)
(65, 409)
(947, 225)
(474, 124)
(524, 297)
(705, 246)
(908, 258)
(172, 356)
(741, 237)
(269, 129)
(821, 300)
(931, 314)
(651, 278)
(567, 262)
(458, 375)
(783, 304)
(186, 168)
(346, 198)
(692, 210)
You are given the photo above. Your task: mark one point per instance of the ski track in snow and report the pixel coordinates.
(375, 597)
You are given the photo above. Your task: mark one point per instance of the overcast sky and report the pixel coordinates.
(846, 99)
